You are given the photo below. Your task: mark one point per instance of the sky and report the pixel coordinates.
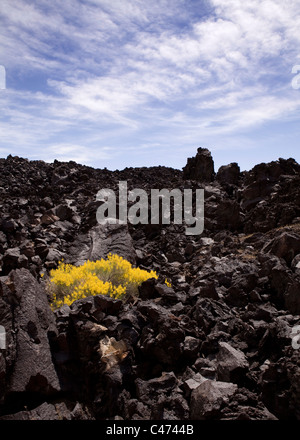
(131, 83)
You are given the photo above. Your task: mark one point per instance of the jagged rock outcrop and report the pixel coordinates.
(200, 167)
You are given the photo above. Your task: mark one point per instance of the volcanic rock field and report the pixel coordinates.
(218, 342)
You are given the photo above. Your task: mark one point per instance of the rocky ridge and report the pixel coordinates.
(215, 345)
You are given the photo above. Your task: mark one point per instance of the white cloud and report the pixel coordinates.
(78, 153)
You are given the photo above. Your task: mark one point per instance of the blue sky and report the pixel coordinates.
(120, 83)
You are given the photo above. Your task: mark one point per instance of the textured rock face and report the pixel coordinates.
(28, 320)
(200, 167)
(286, 246)
(232, 364)
(47, 411)
(215, 345)
(229, 174)
(208, 398)
(100, 241)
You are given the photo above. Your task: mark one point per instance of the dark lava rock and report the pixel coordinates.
(208, 398)
(161, 396)
(47, 411)
(100, 241)
(200, 167)
(231, 363)
(229, 174)
(286, 246)
(28, 320)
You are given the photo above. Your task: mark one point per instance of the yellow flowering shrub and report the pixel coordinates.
(114, 277)
(168, 283)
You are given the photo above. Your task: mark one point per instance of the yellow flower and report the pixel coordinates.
(168, 283)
